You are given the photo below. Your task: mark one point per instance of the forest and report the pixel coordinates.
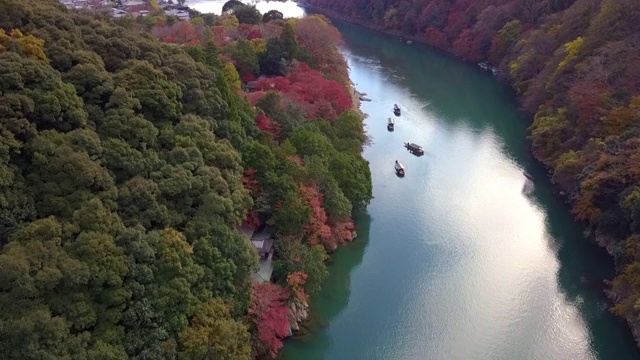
(132, 152)
(575, 65)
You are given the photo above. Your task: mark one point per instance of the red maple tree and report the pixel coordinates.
(267, 125)
(270, 315)
(318, 96)
(250, 182)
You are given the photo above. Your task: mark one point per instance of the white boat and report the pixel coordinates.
(399, 169)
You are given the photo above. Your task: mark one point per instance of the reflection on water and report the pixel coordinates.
(466, 257)
(288, 8)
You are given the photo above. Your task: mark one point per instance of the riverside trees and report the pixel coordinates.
(127, 165)
(576, 65)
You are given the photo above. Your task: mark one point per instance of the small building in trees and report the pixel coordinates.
(262, 239)
(250, 86)
(135, 5)
(180, 14)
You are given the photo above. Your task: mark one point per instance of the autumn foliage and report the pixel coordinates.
(318, 232)
(267, 125)
(308, 102)
(576, 65)
(269, 313)
(297, 280)
(319, 97)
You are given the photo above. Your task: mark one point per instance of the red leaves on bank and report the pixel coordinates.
(320, 97)
(270, 314)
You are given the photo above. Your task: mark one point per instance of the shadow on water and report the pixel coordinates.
(582, 264)
(333, 297)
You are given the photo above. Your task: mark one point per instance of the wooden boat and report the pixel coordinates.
(390, 124)
(414, 148)
(399, 169)
(528, 176)
(396, 110)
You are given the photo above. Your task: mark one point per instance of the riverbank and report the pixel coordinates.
(456, 251)
(612, 245)
(369, 25)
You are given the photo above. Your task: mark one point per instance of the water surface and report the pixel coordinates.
(463, 258)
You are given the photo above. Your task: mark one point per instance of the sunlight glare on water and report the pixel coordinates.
(464, 258)
(462, 255)
(287, 8)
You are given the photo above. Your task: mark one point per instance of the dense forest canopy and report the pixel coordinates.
(129, 159)
(576, 65)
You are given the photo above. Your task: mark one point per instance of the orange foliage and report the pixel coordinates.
(220, 36)
(342, 232)
(297, 280)
(296, 159)
(436, 37)
(317, 231)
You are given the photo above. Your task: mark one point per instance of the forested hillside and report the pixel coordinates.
(128, 164)
(576, 66)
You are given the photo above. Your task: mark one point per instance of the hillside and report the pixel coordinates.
(575, 64)
(130, 159)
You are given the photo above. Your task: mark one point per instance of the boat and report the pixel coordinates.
(528, 176)
(414, 148)
(390, 124)
(396, 110)
(399, 169)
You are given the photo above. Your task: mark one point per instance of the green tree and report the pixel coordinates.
(245, 58)
(247, 14)
(159, 98)
(272, 15)
(212, 334)
(296, 256)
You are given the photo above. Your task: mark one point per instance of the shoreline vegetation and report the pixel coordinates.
(574, 64)
(170, 188)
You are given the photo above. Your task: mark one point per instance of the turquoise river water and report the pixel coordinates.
(463, 258)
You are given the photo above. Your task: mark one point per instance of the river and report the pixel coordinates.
(463, 258)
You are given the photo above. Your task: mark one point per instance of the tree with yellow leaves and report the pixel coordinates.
(29, 45)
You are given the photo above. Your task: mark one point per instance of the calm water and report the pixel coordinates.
(463, 258)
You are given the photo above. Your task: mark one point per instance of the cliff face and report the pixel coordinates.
(575, 65)
(298, 313)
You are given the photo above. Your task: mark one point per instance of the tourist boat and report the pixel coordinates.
(396, 110)
(390, 124)
(399, 169)
(414, 148)
(528, 176)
